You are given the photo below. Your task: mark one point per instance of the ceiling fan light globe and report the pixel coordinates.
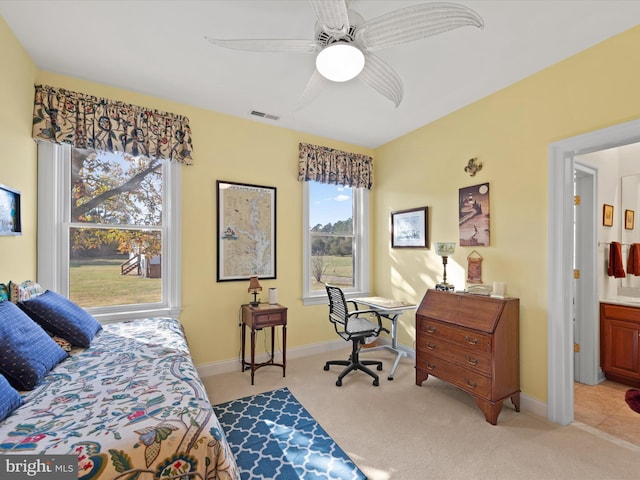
(340, 62)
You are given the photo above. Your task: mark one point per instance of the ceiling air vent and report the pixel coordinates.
(264, 115)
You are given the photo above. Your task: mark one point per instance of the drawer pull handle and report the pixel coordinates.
(431, 346)
(431, 329)
(471, 342)
(470, 383)
(430, 366)
(472, 362)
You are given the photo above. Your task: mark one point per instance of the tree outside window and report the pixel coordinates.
(115, 234)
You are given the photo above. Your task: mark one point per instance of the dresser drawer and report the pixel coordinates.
(269, 319)
(464, 378)
(457, 335)
(469, 357)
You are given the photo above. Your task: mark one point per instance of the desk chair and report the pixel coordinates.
(353, 326)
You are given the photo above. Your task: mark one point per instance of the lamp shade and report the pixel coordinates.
(340, 62)
(254, 285)
(444, 249)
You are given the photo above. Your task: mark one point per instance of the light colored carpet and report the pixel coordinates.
(402, 431)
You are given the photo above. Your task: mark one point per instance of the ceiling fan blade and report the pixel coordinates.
(382, 78)
(332, 16)
(415, 23)
(316, 84)
(269, 45)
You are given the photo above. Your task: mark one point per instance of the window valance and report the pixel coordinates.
(84, 121)
(327, 165)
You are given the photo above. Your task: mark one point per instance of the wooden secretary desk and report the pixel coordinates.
(472, 342)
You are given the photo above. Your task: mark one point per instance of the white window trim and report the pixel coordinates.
(360, 249)
(53, 236)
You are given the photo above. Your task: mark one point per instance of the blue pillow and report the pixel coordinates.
(27, 353)
(9, 398)
(60, 316)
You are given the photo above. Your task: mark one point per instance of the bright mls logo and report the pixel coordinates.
(40, 467)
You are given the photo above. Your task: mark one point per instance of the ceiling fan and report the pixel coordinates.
(344, 43)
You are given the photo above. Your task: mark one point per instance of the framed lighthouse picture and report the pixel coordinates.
(473, 216)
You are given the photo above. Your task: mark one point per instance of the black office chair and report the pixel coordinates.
(353, 326)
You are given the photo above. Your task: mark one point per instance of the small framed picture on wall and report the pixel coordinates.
(607, 215)
(409, 228)
(628, 219)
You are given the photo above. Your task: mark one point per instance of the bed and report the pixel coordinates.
(130, 406)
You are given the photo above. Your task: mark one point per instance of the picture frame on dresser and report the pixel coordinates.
(10, 211)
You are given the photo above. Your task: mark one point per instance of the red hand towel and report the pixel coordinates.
(615, 261)
(633, 261)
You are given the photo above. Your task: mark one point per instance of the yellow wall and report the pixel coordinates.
(17, 154)
(232, 149)
(510, 133)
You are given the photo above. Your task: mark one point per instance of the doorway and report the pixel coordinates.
(560, 247)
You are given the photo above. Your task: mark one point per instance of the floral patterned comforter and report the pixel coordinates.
(131, 406)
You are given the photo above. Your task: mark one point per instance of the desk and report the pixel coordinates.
(257, 318)
(390, 309)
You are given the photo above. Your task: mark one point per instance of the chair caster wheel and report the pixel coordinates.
(376, 382)
(379, 368)
(389, 378)
(338, 383)
(326, 367)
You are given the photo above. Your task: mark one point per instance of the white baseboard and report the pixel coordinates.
(527, 403)
(226, 366)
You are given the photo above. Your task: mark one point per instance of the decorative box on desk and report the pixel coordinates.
(472, 342)
(256, 318)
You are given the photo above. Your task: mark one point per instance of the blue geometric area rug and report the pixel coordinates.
(273, 437)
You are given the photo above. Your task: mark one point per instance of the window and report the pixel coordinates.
(336, 243)
(108, 230)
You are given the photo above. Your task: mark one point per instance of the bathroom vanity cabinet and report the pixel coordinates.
(620, 342)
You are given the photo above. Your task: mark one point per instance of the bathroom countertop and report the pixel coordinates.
(627, 301)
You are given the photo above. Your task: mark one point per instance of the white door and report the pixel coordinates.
(585, 311)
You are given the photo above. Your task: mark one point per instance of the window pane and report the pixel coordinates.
(330, 208)
(331, 225)
(331, 261)
(114, 267)
(115, 188)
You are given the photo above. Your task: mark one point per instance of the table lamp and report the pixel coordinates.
(444, 249)
(254, 287)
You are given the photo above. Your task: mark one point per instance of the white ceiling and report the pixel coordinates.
(158, 47)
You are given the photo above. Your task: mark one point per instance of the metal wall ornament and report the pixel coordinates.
(473, 167)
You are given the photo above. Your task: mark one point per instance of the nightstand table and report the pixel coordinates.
(257, 318)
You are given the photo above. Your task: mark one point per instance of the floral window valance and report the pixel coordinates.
(327, 165)
(84, 121)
